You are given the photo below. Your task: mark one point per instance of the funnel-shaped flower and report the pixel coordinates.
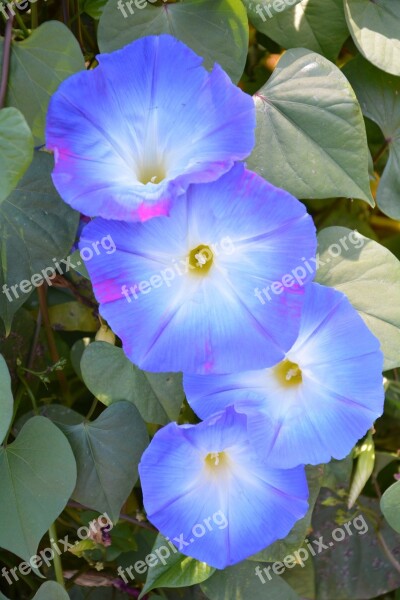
(181, 291)
(316, 403)
(205, 488)
(132, 134)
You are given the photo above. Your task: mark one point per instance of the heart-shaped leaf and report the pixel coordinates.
(107, 453)
(375, 28)
(351, 545)
(369, 275)
(16, 149)
(51, 591)
(310, 136)
(390, 506)
(111, 377)
(36, 229)
(241, 581)
(312, 24)
(225, 22)
(38, 65)
(379, 97)
(264, 10)
(38, 475)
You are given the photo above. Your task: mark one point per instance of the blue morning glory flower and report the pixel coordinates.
(206, 490)
(182, 291)
(131, 135)
(317, 402)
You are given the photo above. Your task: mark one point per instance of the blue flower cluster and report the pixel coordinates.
(280, 384)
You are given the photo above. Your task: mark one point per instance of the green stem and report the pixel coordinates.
(381, 151)
(30, 393)
(57, 559)
(42, 295)
(5, 67)
(34, 16)
(92, 409)
(17, 401)
(387, 551)
(22, 25)
(77, 11)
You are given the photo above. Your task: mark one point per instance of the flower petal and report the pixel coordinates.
(132, 134)
(339, 397)
(171, 319)
(223, 519)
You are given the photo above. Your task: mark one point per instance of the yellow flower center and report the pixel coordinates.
(288, 373)
(216, 461)
(152, 174)
(200, 260)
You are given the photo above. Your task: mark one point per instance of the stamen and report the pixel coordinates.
(216, 462)
(215, 456)
(201, 259)
(292, 373)
(288, 373)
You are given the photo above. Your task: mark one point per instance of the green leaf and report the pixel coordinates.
(81, 547)
(392, 398)
(337, 473)
(390, 506)
(301, 578)
(383, 459)
(375, 28)
(370, 277)
(295, 538)
(73, 316)
(107, 453)
(6, 399)
(51, 591)
(78, 265)
(94, 8)
(76, 354)
(363, 469)
(312, 24)
(35, 228)
(38, 65)
(16, 149)
(310, 136)
(111, 377)
(38, 475)
(223, 21)
(123, 540)
(267, 10)
(178, 570)
(338, 567)
(379, 97)
(241, 581)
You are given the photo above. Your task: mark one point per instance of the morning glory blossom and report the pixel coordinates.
(191, 473)
(316, 403)
(181, 291)
(132, 134)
